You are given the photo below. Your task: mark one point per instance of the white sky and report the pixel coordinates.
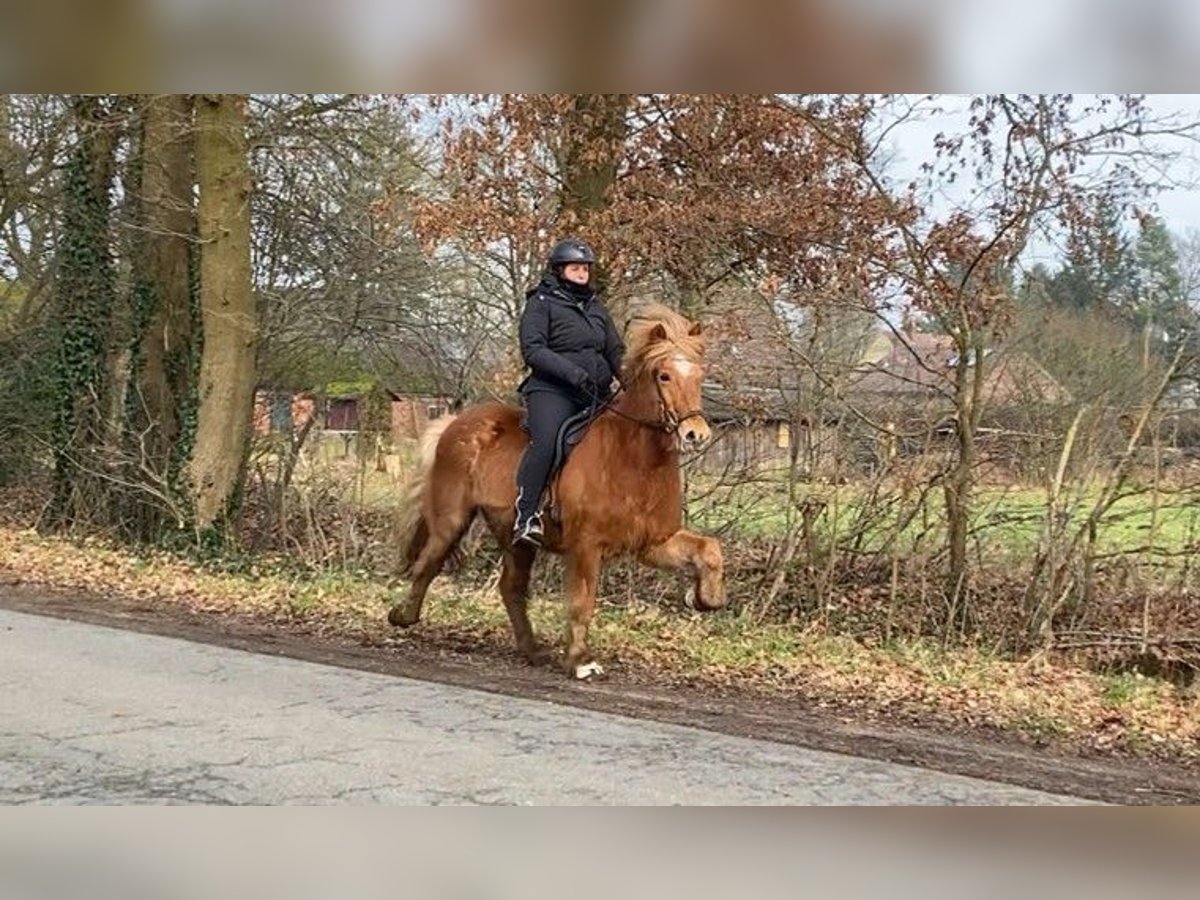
(1179, 207)
(1062, 45)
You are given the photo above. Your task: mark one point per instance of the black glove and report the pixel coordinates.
(584, 384)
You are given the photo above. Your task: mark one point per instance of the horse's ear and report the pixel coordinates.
(658, 332)
(696, 329)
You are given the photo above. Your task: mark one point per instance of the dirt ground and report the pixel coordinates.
(988, 755)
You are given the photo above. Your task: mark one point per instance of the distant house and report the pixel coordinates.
(911, 377)
(782, 387)
(749, 426)
(763, 399)
(346, 412)
(412, 412)
(282, 411)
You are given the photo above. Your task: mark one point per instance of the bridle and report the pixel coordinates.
(669, 421)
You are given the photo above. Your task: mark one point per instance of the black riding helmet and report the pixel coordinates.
(571, 250)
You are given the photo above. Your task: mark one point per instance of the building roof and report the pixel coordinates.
(919, 365)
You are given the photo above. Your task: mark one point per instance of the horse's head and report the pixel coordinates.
(678, 376)
(665, 369)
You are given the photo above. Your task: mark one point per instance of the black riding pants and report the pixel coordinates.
(546, 411)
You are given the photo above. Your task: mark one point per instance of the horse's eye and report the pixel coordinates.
(664, 376)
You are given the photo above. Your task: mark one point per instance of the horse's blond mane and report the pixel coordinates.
(642, 350)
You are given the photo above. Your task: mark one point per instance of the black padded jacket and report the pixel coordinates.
(569, 341)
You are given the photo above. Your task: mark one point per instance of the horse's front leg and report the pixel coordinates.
(582, 583)
(699, 555)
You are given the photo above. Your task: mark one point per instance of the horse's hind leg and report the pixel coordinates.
(444, 535)
(416, 544)
(514, 589)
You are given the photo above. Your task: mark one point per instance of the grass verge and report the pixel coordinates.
(912, 682)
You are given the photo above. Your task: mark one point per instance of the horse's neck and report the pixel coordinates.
(640, 399)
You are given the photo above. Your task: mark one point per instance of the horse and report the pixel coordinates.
(619, 493)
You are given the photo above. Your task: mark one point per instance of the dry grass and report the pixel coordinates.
(913, 680)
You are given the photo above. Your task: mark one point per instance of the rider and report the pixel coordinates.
(573, 351)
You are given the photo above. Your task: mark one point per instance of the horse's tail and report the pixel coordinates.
(412, 530)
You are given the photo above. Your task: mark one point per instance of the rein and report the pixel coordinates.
(668, 423)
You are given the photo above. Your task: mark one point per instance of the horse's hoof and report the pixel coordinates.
(538, 656)
(588, 671)
(689, 597)
(401, 617)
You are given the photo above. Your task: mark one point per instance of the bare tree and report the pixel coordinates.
(85, 294)
(1032, 162)
(163, 332)
(228, 307)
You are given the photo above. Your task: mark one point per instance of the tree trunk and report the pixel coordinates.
(165, 373)
(596, 132)
(229, 314)
(160, 352)
(83, 305)
(960, 482)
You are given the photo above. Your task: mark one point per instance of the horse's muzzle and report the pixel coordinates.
(693, 432)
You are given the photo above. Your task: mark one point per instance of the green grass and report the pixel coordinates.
(1120, 689)
(1004, 520)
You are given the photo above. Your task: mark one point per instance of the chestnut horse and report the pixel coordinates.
(619, 494)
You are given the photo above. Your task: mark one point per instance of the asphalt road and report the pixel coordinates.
(95, 715)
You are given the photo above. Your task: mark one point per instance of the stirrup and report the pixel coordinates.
(530, 531)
